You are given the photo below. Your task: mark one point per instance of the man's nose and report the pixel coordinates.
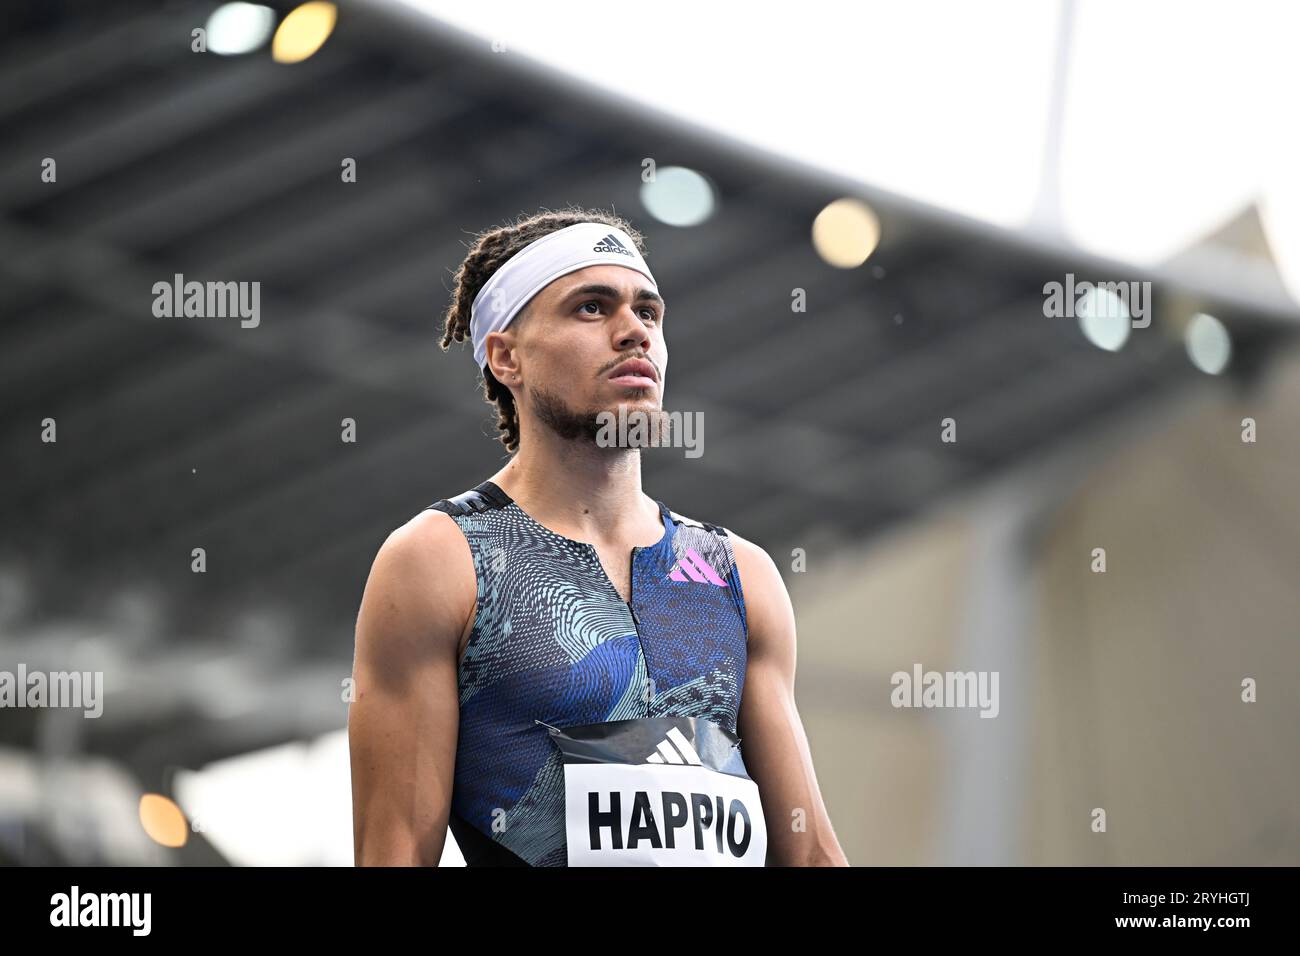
(636, 333)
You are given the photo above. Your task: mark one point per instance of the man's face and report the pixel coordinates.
(574, 340)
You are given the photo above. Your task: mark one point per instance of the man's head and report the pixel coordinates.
(586, 343)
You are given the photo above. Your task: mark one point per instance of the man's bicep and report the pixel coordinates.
(768, 611)
(767, 700)
(403, 718)
(774, 744)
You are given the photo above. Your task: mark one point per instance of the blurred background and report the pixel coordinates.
(914, 176)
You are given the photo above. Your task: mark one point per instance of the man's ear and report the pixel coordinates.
(502, 356)
(508, 339)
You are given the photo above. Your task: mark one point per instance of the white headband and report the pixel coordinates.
(540, 263)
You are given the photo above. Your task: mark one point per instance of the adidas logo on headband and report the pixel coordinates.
(611, 244)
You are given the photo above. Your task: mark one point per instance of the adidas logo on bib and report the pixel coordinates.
(683, 752)
(659, 791)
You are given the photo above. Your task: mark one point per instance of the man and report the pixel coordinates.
(514, 637)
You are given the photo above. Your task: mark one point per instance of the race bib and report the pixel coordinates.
(658, 791)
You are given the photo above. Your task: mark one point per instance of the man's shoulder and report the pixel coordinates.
(425, 540)
(747, 552)
(436, 533)
(421, 588)
(433, 534)
(752, 560)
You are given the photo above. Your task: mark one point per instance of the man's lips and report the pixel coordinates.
(635, 373)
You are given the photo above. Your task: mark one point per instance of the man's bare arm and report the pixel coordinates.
(402, 723)
(773, 742)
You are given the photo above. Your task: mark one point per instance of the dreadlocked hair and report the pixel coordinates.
(488, 252)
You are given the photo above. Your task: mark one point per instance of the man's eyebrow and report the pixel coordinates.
(609, 292)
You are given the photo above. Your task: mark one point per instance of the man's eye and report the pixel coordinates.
(654, 316)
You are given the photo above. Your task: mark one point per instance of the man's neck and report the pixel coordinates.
(582, 492)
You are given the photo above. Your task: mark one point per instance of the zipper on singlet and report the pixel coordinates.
(636, 621)
(631, 592)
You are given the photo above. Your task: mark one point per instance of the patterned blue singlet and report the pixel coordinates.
(553, 641)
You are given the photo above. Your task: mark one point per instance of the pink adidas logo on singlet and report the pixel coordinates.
(695, 568)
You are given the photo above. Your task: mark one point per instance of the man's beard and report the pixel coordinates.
(564, 421)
